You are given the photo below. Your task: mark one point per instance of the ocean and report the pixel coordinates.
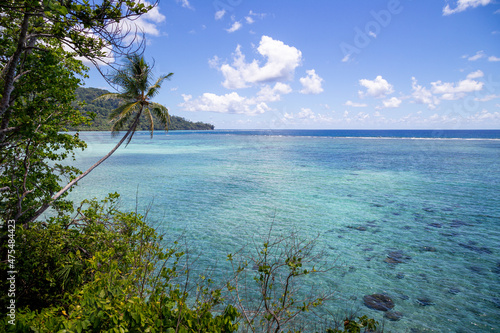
(411, 214)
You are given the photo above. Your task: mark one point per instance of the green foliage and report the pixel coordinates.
(107, 271)
(100, 110)
(30, 169)
(280, 269)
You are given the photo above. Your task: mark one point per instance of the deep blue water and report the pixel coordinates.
(422, 134)
(430, 197)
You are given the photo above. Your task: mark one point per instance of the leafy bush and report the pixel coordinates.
(107, 271)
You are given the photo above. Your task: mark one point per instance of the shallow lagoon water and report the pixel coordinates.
(435, 200)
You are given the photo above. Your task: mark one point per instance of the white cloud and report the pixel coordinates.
(485, 115)
(453, 91)
(377, 88)
(493, 58)
(235, 27)
(236, 104)
(306, 115)
(268, 94)
(477, 56)
(362, 116)
(421, 95)
(228, 103)
(463, 5)
(280, 65)
(393, 102)
(347, 57)
(372, 34)
(249, 20)
(220, 14)
(214, 62)
(355, 105)
(487, 98)
(185, 4)
(311, 83)
(475, 75)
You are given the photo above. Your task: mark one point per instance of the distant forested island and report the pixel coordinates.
(102, 108)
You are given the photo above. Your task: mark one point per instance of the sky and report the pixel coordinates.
(324, 64)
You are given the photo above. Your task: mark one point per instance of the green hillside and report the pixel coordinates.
(101, 109)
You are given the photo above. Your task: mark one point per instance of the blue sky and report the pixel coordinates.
(358, 64)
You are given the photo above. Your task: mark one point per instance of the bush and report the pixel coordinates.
(108, 271)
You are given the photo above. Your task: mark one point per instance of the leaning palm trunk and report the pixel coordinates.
(74, 181)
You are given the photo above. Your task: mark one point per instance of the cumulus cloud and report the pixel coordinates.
(235, 27)
(453, 91)
(422, 95)
(377, 88)
(475, 75)
(228, 103)
(236, 104)
(493, 58)
(281, 61)
(485, 115)
(462, 5)
(268, 94)
(393, 102)
(220, 14)
(311, 83)
(355, 105)
(306, 113)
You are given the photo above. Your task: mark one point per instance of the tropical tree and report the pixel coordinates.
(89, 28)
(134, 81)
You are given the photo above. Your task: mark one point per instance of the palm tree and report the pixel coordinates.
(136, 93)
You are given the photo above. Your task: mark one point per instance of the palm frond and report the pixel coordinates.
(123, 110)
(151, 121)
(161, 113)
(155, 89)
(108, 96)
(118, 125)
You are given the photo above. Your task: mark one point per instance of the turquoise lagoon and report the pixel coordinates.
(431, 196)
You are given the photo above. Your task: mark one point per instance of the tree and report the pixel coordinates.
(90, 29)
(135, 82)
(30, 168)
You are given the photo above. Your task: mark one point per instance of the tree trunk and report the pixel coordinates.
(10, 69)
(74, 181)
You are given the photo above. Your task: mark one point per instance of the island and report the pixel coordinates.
(100, 111)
